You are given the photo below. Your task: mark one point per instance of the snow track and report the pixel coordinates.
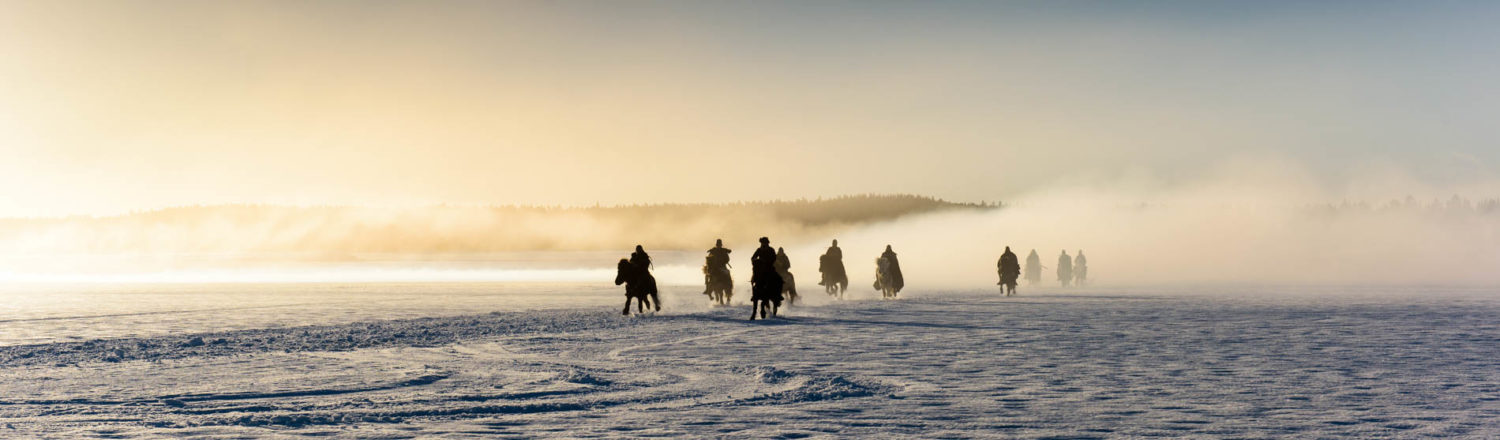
(1096, 365)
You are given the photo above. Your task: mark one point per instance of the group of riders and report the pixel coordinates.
(1070, 270)
(772, 281)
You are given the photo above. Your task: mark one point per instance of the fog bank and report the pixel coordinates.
(1246, 223)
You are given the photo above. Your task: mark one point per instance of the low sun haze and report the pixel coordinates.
(115, 106)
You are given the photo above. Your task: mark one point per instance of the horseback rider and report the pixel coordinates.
(716, 266)
(640, 259)
(1064, 268)
(831, 264)
(765, 283)
(1033, 268)
(784, 268)
(894, 270)
(834, 251)
(642, 265)
(1009, 268)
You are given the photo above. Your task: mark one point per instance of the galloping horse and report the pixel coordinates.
(835, 281)
(765, 295)
(720, 284)
(639, 284)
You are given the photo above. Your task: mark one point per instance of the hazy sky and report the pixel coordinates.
(111, 106)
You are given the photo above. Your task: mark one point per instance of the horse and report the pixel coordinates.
(720, 285)
(835, 281)
(1008, 284)
(765, 293)
(885, 278)
(835, 290)
(639, 284)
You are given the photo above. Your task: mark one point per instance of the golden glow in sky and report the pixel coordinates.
(114, 106)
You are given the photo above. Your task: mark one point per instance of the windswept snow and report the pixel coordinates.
(1092, 364)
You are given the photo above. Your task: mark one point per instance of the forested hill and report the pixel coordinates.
(341, 230)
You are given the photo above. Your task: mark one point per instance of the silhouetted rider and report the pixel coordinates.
(718, 264)
(1009, 267)
(640, 259)
(765, 283)
(831, 264)
(642, 263)
(894, 271)
(1033, 267)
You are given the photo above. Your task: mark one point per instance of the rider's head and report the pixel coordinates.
(1007, 248)
(719, 243)
(835, 242)
(764, 240)
(887, 248)
(780, 251)
(639, 249)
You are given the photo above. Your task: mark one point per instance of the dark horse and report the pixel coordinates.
(639, 284)
(766, 295)
(720, 284)
(835, 280)
(1008, 283)
(1010, 270)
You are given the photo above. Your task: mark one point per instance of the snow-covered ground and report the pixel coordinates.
(1201, 363)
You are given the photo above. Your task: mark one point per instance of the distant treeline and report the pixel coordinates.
(338, 231)
(1453, 205)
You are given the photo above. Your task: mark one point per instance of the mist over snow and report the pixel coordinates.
(1250, 221)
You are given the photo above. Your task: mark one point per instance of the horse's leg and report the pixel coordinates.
(626, 312)
(753, 305)
(656, 301)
